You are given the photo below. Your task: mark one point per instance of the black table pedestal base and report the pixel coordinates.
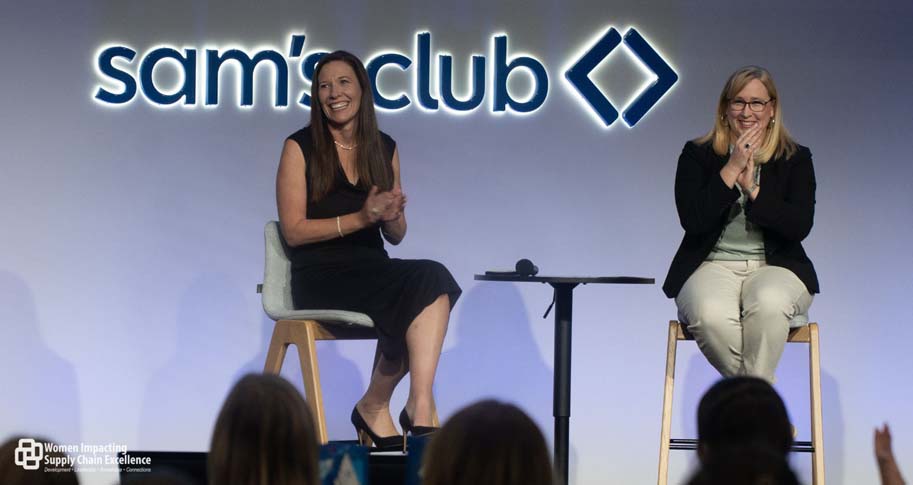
(564, 302)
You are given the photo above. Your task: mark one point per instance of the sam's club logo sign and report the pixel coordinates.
(196, 76)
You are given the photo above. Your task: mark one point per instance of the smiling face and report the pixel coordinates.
(742, 120)
(339, 93)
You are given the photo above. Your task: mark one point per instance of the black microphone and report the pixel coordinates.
(526, 267)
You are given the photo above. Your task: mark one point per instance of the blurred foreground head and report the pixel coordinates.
(264, 435)
(742, 412)
(490, 443)
(745, 465)
(13, 474)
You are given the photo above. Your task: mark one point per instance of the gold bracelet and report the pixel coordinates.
(339, 227)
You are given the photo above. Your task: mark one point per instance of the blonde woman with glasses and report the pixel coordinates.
(745, 194)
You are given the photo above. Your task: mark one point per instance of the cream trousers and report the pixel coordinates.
(739, 313)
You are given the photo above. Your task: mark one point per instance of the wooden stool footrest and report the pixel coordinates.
(691, 444)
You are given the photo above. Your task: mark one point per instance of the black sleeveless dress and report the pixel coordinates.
(355, 273)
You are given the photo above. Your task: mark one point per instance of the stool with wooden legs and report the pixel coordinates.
(302, 328)
(304, 334)
(800, 332)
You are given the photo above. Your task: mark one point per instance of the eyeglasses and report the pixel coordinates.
(756, 106)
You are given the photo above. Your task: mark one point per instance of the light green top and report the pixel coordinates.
(741, 240)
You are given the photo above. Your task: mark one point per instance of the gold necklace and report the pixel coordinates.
(340, 145)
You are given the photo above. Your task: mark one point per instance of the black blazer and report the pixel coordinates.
(784, 209)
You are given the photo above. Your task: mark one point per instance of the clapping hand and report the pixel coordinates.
(396, 207)
(883, 444)
(745, 147)
(743, 156)
(887, 465)
(746, 177)
(383, 206)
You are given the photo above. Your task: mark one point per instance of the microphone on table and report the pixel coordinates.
(524, 267)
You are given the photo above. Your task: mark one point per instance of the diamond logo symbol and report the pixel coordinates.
(579, 76)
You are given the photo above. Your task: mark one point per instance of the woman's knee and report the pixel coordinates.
(771, 302)
(432, 270)
(711, 314)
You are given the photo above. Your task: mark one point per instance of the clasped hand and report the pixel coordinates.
(384, 206)
(742, 156)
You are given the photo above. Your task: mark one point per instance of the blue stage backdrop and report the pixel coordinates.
(137, 176)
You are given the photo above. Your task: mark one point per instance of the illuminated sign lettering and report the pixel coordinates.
(126, 75)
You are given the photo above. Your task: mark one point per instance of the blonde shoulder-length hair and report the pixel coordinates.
(777, 141)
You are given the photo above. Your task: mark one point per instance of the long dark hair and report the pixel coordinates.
(264, 435)
(488, 442)
(750, 464)
(742, 411)
(370, 161)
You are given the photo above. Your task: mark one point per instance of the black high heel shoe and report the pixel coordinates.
(406, 422)
(366, 436)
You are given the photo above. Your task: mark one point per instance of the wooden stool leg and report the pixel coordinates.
(666, 432)
(278, 345)
(814, 369)
(310, 372)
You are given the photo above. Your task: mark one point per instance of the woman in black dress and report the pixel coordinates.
(338, 190)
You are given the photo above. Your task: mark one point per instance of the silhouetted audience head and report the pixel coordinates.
(490, 443)
(264, 435)
(16, 474)
(742, 412)
(745, 465)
